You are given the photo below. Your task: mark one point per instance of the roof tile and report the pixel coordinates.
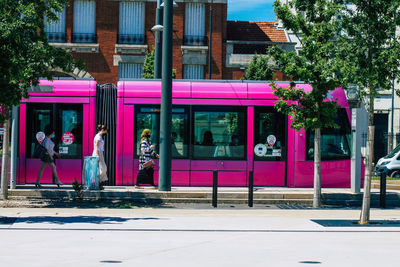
(255, 31)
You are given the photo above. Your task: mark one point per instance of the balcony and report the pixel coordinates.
(56, 37)
(85, 38)
(131, 39)
(195, 40)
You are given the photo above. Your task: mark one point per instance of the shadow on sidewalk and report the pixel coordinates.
(61, 220)
(354, 223)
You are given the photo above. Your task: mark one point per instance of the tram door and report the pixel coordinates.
(66, 120)
(270, 146)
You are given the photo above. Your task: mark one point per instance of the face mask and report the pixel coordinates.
(53, 135)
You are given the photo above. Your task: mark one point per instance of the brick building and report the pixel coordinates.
(113, 37)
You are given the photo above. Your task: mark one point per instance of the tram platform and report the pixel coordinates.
(203, 195)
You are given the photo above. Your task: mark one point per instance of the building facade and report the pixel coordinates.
(113, 37)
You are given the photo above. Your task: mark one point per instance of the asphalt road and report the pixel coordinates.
(197, 237)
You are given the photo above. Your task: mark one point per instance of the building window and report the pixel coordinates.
(195, 24)
(84, 30)
(219, 132)
(131, 23)
(55, 30)
(130, 70)
(193, 72)
(249, 49)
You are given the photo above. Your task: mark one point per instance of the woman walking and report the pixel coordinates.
(98, 151)
(48, 156)
(146, 164)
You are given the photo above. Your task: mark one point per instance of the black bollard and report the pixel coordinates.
(383, 189)
(251, 187)
(215, 189)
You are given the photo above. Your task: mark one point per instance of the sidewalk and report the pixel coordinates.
(203, 195)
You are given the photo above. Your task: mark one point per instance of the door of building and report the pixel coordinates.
(381, 136)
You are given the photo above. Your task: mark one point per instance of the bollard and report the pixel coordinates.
(383, 189)
(215, 189)
(251, 187)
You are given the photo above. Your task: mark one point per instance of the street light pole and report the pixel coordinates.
(210, 42)
(392, 118)
(158, 42)
(166, 101)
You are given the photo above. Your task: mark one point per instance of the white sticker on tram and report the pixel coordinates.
(260, 150)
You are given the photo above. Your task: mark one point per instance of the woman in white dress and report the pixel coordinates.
(98, 151)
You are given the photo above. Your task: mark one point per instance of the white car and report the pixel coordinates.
(390, 164)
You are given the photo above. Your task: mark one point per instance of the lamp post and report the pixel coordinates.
(353, 98)
(166, 100)
(158, 44)
(210, 41)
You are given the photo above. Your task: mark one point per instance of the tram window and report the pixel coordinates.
(38, 117)
(148, 117)
(69, 131)
(66, 119)
(269, 135)
(219, 132)
(335, 142)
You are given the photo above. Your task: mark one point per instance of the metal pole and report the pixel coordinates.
(210, 42)
(4, 160)
(166, 101)
(251, 188)
(14, 146)
(382, 195)
(158, 43)
(392, 118)
(356, 151)
(215, 189)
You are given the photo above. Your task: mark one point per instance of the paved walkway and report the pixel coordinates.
(197, 237)
(203, 189)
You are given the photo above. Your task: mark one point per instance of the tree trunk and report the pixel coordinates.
(366, 205)
(4, 163)
(317, 169)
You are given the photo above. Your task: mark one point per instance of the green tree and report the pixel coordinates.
(315, 21)
(148, 67)
(369, 56)
(259, 69)
(25, 56)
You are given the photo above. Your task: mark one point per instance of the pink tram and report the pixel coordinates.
(231, 127)
(228, 126)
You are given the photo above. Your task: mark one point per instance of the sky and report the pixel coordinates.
(255, 10)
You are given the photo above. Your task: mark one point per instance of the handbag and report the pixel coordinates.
(39, 150)
(149, 164)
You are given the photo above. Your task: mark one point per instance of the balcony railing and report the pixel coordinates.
(56, 37)
(195, 40)
(88, 38)
(131, 38)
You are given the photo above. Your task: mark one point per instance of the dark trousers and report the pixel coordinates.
(145, 176)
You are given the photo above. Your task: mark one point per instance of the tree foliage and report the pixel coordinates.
(368, 51)
(25, 54)
(148, 67)
(259, 69)
(315, 21)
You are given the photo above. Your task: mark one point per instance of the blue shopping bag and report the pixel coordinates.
(89, 174)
